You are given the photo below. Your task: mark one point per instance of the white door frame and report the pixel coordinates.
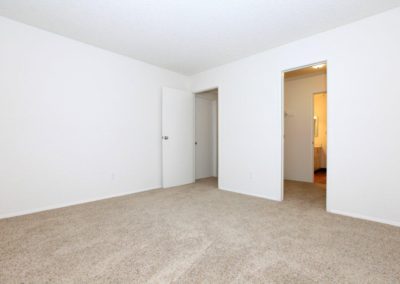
(283, 125)
(218, 128)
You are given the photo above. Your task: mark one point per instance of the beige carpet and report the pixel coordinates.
(197, 233)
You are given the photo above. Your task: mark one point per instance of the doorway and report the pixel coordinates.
(189, 137)
(206, 135)
(320, 137)
(305, 132)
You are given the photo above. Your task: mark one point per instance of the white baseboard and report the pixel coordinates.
(51, 207)
(338, 212)
(250, 194)
(46, 208)
(368, 218)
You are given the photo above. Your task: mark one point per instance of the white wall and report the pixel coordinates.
(363, 151)
(206, 137)
(214, 119)
(77, 123)
(203, 138)
(299, 130)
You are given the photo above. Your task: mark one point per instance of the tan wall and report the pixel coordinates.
(299, 136)
(320, 137)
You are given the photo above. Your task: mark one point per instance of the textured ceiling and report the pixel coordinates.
(188, 36)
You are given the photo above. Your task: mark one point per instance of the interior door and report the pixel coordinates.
(177, 137)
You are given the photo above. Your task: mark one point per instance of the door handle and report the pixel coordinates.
(164, 137)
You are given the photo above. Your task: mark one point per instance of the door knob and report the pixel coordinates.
(164, 137)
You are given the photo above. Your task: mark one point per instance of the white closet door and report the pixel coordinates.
(177, 137)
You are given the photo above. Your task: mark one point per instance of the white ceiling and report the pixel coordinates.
(188, 36)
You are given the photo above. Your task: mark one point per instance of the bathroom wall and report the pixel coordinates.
(299, 128)
(320, 108)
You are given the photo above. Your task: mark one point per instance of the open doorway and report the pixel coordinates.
(206, 135)
(305, 133)
(320, 137)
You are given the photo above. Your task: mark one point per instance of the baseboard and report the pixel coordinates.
(363, 217)
(42, 209)
(250, 194)
(52, 207)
